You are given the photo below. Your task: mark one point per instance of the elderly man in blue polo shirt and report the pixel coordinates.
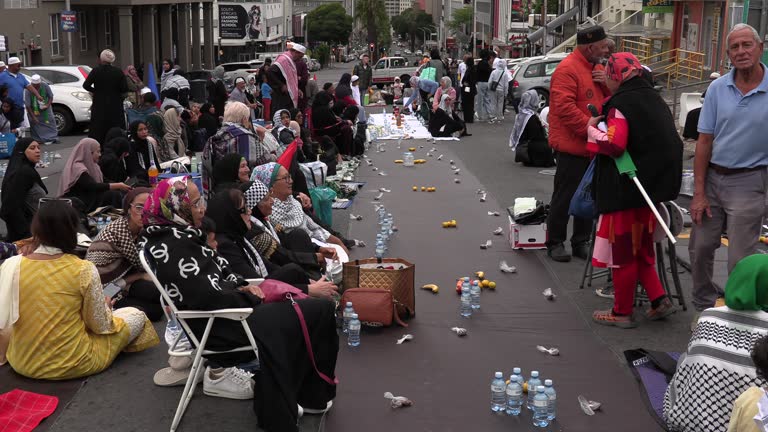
(17, 83)
(730, 164)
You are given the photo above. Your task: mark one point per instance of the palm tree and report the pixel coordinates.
(371, 12)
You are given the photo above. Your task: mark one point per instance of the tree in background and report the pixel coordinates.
(322, 53)
(329, 23)
(408, 23)
(373, 15)
(537, 6)
(461, 25)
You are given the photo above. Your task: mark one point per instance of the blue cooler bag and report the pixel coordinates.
(7, 143)
(582, 204)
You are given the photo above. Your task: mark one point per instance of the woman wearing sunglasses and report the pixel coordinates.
(116, 256)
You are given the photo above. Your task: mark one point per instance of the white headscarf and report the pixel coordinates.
(529, 102)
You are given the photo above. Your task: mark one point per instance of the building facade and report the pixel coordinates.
(138, 33)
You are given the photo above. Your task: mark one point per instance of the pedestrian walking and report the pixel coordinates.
(40, 113)
(468, 89)
(15, 82)
(284, 80)
(364, 71)
(579, 80)
(638, 123)
(107, 84)
(483, 73)
(217, 91)
(498, 84)
(730, 163)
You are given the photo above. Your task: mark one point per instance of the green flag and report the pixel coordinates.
(626, 165)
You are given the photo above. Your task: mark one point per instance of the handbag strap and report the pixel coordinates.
(304, 330)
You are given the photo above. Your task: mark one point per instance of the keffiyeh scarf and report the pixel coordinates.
(114, 251)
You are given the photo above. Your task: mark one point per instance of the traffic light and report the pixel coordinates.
(370, 46)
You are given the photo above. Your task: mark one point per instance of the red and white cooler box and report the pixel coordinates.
(527, 236)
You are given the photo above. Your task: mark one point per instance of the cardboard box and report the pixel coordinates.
(527, 236)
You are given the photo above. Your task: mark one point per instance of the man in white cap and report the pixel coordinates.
(40, 114)
(17, 83)
(2, 66)
(108, 84)
(284, 80)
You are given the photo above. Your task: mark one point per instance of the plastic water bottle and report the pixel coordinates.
(195, 168)
(46, 158)
(474, 293)
(514, 393)
(465, 309)
(353, 333)
(533, 382)
(408, 159)
(172, 329)
(347, 315)
(549, 390)
(107, 221)
(540, 404)
(100, 224)
(498, 395)
(380, 249)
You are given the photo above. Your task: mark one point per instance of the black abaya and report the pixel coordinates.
(107, 84)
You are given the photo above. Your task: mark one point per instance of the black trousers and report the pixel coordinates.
(468, 106)
(143, 295)
(570, 170)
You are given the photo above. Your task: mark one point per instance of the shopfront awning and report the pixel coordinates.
(555, 23)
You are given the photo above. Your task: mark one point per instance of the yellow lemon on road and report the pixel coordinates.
(485, 283)
(415, 188)
(491, 285)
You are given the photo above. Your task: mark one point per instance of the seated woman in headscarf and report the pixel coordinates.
(274, 245)
(329, 154)
(444, 122)
(82, 178)
(326, 123)
(22, 189)
(281, 128)
(62, 325)
(116, 257)
(286, 210)
(10, 120)
(529, 138)
(142, 154)
(344, 93)
(230, 172)
(232, 217)
(113, 160)
(446, 87)
(310, 150)
(198, 278)
(716, 367)
(208, 119)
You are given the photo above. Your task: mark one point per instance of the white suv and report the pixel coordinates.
(71, 103)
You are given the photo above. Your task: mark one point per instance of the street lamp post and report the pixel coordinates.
(474, 28)
(424, 39)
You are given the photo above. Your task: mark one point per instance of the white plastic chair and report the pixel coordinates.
(688, 102)
(198, 345)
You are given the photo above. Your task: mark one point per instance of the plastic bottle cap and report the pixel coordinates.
(535, 374)
(354, 316)
(548, 383)
(517, 370)
(466, 278)
(540, 389)
(349, 304)
(498, 375)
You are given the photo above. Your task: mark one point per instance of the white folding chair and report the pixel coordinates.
(198, 349)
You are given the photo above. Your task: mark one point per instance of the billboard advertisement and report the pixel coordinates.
(242, 21)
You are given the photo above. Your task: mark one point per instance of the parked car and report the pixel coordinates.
(418, 53)
(407, 52)
(386, 69)
(239, 69)
(398, 53)
(312, 64)
(534, 73)
(71, 103)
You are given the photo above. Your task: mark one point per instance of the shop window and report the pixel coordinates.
(82, 24)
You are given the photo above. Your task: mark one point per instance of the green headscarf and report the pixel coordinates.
(747, 287)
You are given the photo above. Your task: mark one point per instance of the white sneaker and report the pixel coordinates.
(230, 383)
(319, 411)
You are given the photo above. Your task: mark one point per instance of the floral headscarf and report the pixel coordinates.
(267, 173)
(621, 65)
(169, 204)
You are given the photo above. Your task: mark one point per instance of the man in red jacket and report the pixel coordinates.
(579, 80)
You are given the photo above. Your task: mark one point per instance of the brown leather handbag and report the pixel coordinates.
(374, 307)
(394, 275)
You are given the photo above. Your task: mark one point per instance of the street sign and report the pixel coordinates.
(658, 6)
(68, 21)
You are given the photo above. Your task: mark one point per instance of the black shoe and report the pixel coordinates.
(558, 253)
(349, 243)
(581, 251)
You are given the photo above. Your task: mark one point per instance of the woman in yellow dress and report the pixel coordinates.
(62, 324)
